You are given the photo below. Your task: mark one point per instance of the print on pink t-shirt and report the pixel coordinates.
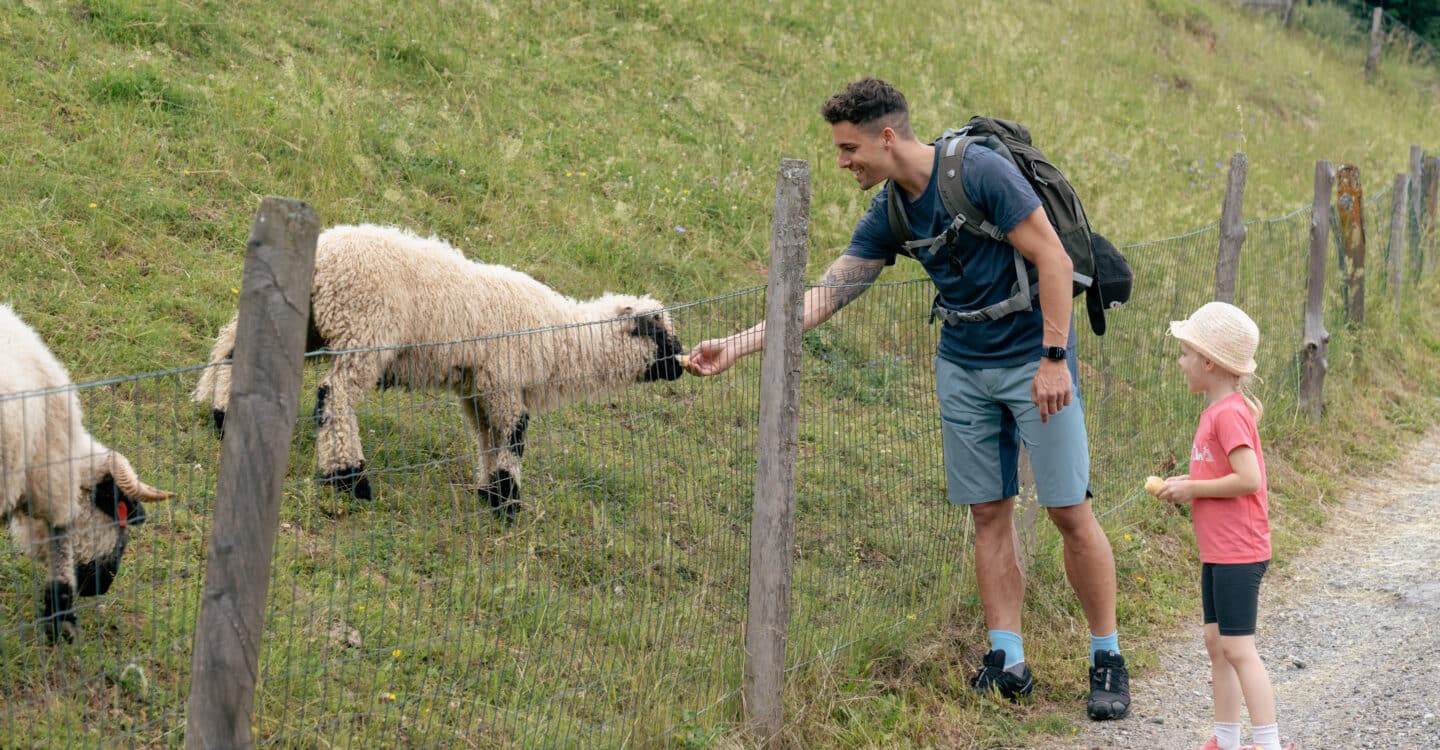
(1229, 529)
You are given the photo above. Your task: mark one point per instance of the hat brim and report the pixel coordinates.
(1095, 307)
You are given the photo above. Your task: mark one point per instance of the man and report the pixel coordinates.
(999, 381)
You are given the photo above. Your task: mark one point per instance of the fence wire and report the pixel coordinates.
(611, 611)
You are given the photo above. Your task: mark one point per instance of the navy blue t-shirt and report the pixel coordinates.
(998, 190)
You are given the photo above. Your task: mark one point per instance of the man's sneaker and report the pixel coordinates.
(994, 677)
(1109, 687)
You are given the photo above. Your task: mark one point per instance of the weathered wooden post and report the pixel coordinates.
(772, 524)
(1232, 229)
(1396, 261)
(1415, 209)
(1316, 343)
(1350, 200)
(1430, 178)
(1377, 34)
(264, 396)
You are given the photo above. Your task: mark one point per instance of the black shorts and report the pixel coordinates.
(1230, 595)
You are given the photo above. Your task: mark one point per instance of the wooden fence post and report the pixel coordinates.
(1414, 209)
(1232, 229)
(1396, 261)
(264, 397)
(1350, 199)
(772, 524)
(1430, 178)
(1316, 343)
(1377, 33)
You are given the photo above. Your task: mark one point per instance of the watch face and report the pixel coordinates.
(1056, 353)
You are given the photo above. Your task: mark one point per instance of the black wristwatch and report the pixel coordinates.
(1056, 353)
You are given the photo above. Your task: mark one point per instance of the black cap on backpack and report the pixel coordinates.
(1112, 282)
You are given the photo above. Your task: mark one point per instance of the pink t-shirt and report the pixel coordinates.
(1229, 529)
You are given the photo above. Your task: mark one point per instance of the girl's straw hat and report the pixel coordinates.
(1223, 333)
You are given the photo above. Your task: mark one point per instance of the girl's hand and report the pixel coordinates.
(1177, 490)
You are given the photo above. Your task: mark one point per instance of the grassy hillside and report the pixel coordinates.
(632, 146)
(574, 140)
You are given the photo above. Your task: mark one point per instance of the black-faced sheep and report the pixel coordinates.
(68, 499)
(394, 308)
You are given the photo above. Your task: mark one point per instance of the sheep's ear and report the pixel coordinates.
(625, 311)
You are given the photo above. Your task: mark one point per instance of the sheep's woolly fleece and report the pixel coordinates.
(398, 308)
(49, 464)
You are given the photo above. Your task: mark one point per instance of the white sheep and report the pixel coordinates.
(68, 499)
(394, 308)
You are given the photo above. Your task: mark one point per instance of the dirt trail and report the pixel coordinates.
(1349, 630)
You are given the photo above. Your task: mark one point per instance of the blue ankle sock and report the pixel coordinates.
(1010, 643)
(1104, 643)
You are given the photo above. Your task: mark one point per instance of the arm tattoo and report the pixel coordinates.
(847, 278)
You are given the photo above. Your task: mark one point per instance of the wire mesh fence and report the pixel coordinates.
(611, 611)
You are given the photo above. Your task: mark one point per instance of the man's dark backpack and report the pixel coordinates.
(1100, 270)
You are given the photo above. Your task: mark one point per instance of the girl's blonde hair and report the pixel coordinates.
(1252, 402)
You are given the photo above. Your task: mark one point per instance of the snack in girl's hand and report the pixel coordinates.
(1154, 484)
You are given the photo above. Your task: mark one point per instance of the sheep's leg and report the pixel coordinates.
(506, 434)
(472, 407)
(338, 451)
(57, 605)
(214, 385)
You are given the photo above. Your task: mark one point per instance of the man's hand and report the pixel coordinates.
(711, 357)
(1050, 390)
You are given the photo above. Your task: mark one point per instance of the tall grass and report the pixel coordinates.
(631, 146)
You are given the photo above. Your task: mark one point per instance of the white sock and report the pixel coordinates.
(1227, 736)
(1267, 737)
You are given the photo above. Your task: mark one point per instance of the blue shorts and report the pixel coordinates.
(986, 413)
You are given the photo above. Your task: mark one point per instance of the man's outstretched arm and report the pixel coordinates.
(847, 278)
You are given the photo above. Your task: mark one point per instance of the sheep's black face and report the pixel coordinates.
(93, 577)
(664, 366)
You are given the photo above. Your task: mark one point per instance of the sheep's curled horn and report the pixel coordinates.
(129, 483)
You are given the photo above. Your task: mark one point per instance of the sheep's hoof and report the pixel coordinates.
(350, 479)
(57, 613)
(218, 417)
(505, 507)
(503, 492)
(62, 631)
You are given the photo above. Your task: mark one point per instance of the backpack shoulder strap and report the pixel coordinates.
(952, 185)
(895, 213)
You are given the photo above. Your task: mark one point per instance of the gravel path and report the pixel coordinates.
(1349, 630)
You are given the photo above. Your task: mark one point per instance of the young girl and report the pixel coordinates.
(1227, 496)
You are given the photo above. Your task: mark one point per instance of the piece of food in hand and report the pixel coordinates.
(1153, 485)
(683, 359)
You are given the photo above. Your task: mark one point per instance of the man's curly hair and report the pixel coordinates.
(870, 103)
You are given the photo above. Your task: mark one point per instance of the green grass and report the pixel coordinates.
(632, 146)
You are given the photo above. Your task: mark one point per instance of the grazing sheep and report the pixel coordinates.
(383, 297)
(68, 499)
